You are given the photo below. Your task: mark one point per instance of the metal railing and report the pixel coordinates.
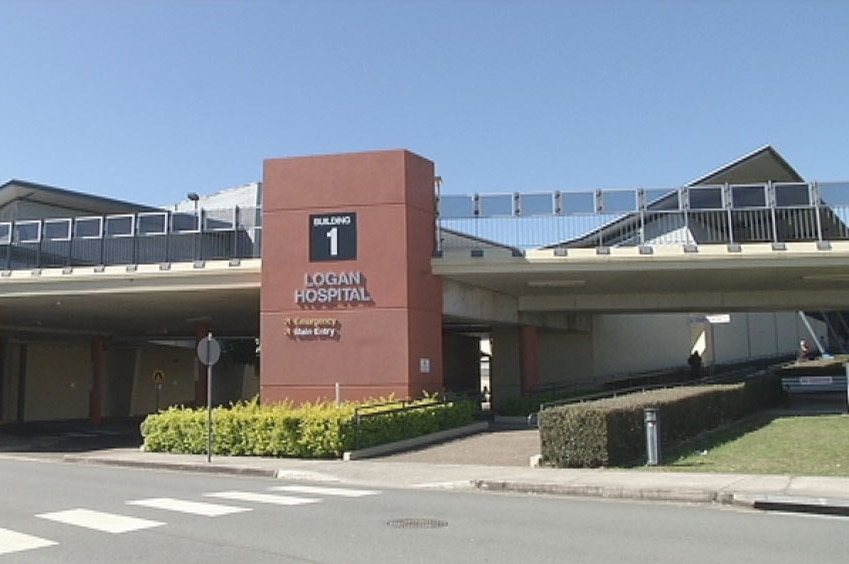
(395, 410)
(705, 214)
(722, 374)
(142, 238)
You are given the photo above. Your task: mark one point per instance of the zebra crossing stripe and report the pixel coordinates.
(10, 541)
(105, 522)
(263, 498)
(193, 507)
(316, 490)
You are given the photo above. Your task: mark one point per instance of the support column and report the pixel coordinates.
(22, 383)
(505, 365)
(529, 352)
(98, 359)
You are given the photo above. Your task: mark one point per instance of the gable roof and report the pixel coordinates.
(75, 202)
(761, 165)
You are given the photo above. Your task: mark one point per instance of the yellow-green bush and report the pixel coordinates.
(321, 430)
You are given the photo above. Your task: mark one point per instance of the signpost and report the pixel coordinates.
(209, 351)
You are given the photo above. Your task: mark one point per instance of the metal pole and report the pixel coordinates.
(846, 367)
(338, 395)
(208, 402)
(650, 415)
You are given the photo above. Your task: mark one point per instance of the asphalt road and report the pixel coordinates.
(54, 512)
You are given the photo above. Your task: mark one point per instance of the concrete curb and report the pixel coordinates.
(210, 468)
(797, 504)
(416, 442)
(646, 494)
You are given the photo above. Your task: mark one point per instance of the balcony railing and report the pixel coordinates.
(714, 214)
(142, 238)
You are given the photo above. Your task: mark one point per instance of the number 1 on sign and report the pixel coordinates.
(334, 241)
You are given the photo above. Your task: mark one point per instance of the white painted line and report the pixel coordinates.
(264, 498)
(193, 507)
(315, 490)
(105, 522)
(10, 541)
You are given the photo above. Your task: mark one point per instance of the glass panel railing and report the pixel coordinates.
(618, 201)
(789, 195)
(834, 193)
(492, 205)
(748, 196)
(572, 203)
(88, 227)
(120, 225)
(536, 204)
(454, 207)
(145, 238)
(706, 197)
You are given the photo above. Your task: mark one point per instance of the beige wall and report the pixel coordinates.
(58, 382)
(640, 343)
(565, 357)
(178, 387)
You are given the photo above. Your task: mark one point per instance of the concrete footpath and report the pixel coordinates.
(497, 459)
(791, 493)
(487, 461)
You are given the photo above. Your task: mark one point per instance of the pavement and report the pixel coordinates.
(497, 459)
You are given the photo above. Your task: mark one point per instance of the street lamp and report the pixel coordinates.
(193, 196)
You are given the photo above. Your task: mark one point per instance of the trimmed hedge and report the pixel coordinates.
(611, 432)
(321, 430)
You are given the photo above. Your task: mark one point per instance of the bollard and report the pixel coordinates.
(652, 436)
(846, 367)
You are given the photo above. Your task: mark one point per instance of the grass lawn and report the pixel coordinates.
(770, 443)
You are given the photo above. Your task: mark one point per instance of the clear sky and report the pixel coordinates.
(149, 100)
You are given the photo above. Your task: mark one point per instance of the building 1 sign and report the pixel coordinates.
(333, 236)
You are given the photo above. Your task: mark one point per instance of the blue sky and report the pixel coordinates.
(147, 101)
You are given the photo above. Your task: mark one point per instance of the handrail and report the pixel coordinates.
(770, 212)
(407, 405)
(722, 377)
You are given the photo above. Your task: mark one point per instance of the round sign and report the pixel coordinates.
(158, 376)
(209, 351)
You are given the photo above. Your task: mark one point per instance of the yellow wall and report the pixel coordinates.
(178, 387)
(58, 382)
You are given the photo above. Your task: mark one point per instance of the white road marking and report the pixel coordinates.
(193, 507)
(10, 541)
(105, 522)
(264, 498)
(315, 490)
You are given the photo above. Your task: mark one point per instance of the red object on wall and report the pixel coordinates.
(381, 331)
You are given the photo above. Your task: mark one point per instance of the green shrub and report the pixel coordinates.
(611, 432)
(321, 430)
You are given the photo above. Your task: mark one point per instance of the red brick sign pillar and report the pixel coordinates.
(348, 296)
